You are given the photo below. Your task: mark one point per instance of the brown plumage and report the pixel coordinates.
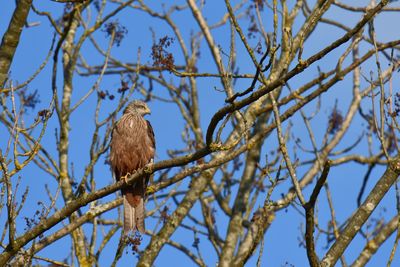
(132, 147)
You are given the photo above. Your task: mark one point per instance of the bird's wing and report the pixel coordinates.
(150, 132)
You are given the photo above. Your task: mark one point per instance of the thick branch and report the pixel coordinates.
(362, 214)
(11, 38)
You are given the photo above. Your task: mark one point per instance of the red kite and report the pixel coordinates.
(132, 148)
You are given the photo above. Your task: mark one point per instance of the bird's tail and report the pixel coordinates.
(133, 216)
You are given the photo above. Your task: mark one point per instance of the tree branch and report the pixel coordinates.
(11, 38)
(363, 212)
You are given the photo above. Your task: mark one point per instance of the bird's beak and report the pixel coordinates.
(148, 111)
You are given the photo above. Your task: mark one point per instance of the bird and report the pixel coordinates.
(132, 147)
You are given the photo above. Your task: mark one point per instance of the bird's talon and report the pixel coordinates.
(150, 189)
(125, 177)
(147, 169)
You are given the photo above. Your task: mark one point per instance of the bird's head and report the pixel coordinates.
(137, 107)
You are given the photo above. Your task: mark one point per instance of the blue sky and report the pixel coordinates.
(281, 241)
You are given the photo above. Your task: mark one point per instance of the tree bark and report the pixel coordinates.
(11, 38)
